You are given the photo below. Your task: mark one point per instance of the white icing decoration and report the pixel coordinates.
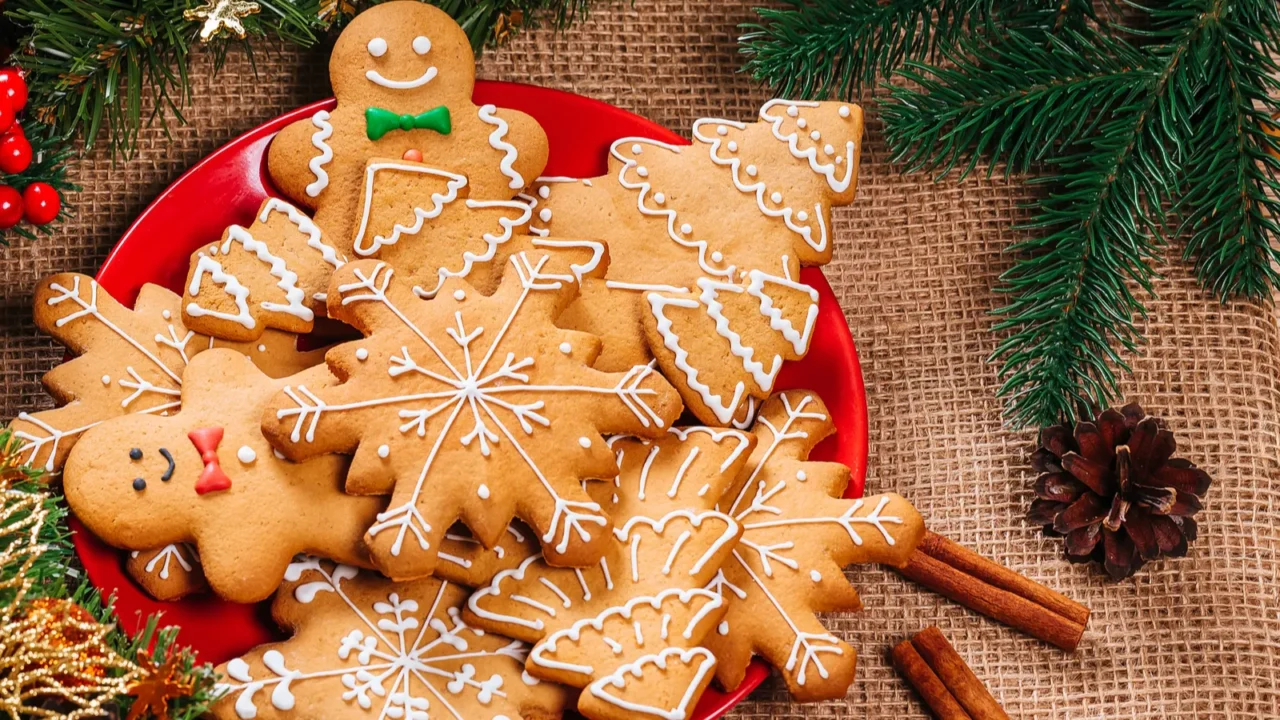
(618, 679)
(166, 314)
(844, 111)
(453, 183)
(362, 354)
(643, 287)
(377, 78)
(166, 555)
(811, 154)
(544, 192)
(262, 348)
(483, 491)
(246, 454)
(319, 138)
(566, 348)
(295, 298)
(377, 47)
(459, 295)
(815, 576)
(384, 451)
(306, 227)
(238, 292)
(723, 629)
(544, 214)
(584, 442)
(492, 241)
(422, 45)
(106, 379)
(801, 476)
(497, 141)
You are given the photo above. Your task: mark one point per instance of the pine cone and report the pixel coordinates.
(1114, 491)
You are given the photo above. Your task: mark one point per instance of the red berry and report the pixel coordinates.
(17, 129)
(41, 202)
(14, 87)
(10, 207)
(7, 115)
(15, 153)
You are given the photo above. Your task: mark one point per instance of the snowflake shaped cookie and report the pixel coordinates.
(630, 629)
(707, 244)
(797, 535)
(472, 407)
(130, 361)
(364, 647)
(206, 476)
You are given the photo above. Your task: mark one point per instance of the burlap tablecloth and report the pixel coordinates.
(914, 269)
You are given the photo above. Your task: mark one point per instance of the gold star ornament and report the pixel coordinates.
(156, 686)
(222, 15)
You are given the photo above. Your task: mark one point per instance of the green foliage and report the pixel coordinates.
(49, 156)
(1137, 133)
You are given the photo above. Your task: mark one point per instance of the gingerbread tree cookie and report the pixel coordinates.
(272, 274)
(707, 243)
(465, 561)
(403, 74)
(364, 647)
(130, 361)
(630, 628)
(471, 407)
(170, 573)
(797, 535)
(206, 476)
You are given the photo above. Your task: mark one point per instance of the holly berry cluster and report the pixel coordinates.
(39, 202)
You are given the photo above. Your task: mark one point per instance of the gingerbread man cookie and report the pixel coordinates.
(403, 73)
(170, 573)
(130, 361)
(471, 407)
(707, 242)
(206, 476)
(798, 533)
(630, 629)
(364, 647)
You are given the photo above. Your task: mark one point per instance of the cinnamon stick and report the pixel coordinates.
(952, 670)
(978, 593)
(930, 688)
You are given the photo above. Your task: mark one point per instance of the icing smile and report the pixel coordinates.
(376, 78)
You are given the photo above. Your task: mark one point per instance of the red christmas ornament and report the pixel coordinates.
(7, 113)
(10, 207)
(15, 153)
(14, 87)
(41, 203)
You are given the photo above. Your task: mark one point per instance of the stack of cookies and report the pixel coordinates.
(497, 502)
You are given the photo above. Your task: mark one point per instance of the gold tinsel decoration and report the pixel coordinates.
(156, 686)
(221, 16)
(331, 10)
(505, 26)
(54, 657)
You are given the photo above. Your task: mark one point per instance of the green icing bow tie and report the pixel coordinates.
(379, 121)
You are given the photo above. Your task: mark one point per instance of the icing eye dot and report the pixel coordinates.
(815, 136)
(566, 348)
(544, 192)
(362, 354)
(686, 228)
(459, 295)
(751, 170)
(733, 146)
(135, 454)
(544, 214)
(793, 111)
(717, 256)
(377, 47)
(844, 111)
(106, 379)
(801, 476)
(723, 629)
(815, 576)
(584, 442)
(139, 484)
(659, 198)
(801, 123)
(383, 451)
(422, 45)
(776, 197)
(483, 491)
(246, 454)
(722, 130)
(829, 150)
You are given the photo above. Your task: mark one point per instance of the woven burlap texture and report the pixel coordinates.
(914, 270)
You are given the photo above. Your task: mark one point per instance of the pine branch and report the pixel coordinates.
(49, 157)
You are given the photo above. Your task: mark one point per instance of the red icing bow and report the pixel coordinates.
(212, 479)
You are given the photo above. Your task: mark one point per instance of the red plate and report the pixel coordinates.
(227, 187)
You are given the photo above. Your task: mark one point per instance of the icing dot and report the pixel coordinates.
(135, 454)
(544, 214)
(377, 47)
(801, 475)
(733, 146)
(844, 111)
(566, 348)
(801, 123)
(262, 348)
(839, 159)
(139, 484)
(659, 198)
(362, 354)
(279, 455)
(828, 149)
(483, 491)
(528, 679)
(246, 454)
(459, 295)
(722, 130)
(642, 171)
(166, 314)
(544, 192)
(412, 155)
(422, 45)
(717, 256)
(751, 170)
(686, 228)
(106, 379)
(635, 148)
(815, 135)
(584, 442)
(815, 576)
(793, 111)
(724, 624)
(383, 451)
(802, 216)
(776, 197)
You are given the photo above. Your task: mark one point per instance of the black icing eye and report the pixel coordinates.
(135, 454)
(139, 484)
